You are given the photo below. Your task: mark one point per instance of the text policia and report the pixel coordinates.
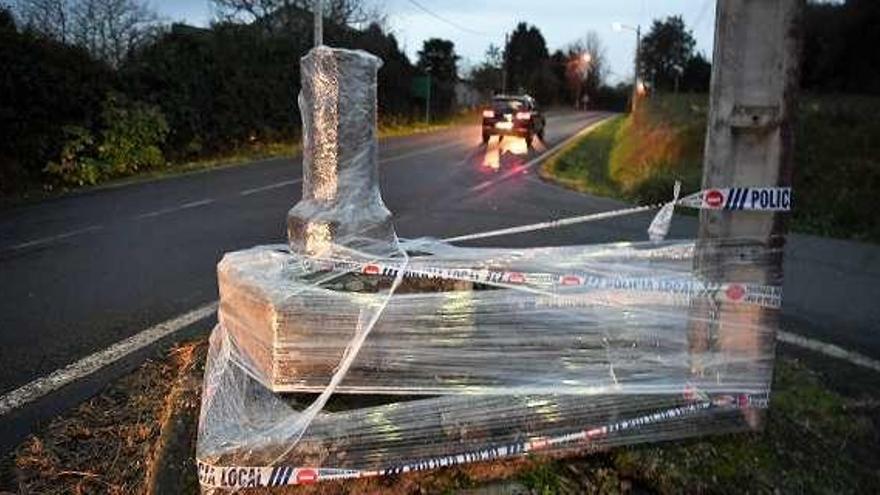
(742, 198)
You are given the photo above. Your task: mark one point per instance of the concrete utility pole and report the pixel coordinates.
(504, 64)
(638, 68)
(428, 97)
(749, 143)
(617, 26)
(319, 22)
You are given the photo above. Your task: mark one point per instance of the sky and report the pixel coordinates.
(474, 24)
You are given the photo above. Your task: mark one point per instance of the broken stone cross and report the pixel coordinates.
(341, 205)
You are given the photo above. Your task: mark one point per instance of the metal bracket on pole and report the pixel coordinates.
(755, 117)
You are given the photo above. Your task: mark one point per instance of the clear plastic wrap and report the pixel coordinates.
(491, 348)
(437, 355)
(341, 202)
(477, 320)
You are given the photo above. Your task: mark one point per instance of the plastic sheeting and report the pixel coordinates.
(492, 349)
(348, 353)
(589, 318)
(341, 201)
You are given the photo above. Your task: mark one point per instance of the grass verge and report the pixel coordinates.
(636, 158)
(639, 157)
(818, 438)
(582, 165)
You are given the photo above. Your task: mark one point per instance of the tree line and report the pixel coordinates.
(577, 74)
(96, 89)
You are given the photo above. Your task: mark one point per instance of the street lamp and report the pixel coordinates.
(577, 66)
(618, 27)
(428, 95)
(679, 73)
(587, 59)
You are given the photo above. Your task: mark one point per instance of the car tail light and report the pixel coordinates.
(523, 115)
(488, 114)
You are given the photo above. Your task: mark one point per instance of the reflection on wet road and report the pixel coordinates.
(508, 151)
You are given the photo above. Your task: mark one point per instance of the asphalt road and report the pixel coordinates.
(82, 272)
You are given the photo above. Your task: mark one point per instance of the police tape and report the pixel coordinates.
(741, 198)
(235, 477)
(766, 296)
(769, 199)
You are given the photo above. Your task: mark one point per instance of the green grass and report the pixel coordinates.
(584, 165)
(807, 422)
(397, 127)
(837, 167)
(815, 440)
(543, 479)
(637, 158)
(837, 159)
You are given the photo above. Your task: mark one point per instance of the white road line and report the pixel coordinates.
(94, 362)
(184, 206)
(203, 202)
(248, 192)
(193, 204)
(481, 186)
(53, 238)
(829, 350)
(538, 159)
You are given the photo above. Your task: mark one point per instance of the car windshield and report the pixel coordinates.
(508, 105)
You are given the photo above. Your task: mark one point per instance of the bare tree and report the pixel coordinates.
(350, 12)
(48, 17)
(251, 10)
(586, 67)
(494, 57)
(284, 14)
(108, 29)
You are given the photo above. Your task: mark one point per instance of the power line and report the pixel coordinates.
(447, 21)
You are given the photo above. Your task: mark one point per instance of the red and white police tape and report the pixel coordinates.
(777, 199)
(234, 477)
(766, 296)
(767, 199)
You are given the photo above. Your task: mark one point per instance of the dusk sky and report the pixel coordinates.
(475, 24)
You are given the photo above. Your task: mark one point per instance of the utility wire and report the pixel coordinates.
(447, 21)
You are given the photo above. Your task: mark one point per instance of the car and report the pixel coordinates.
(513, 115)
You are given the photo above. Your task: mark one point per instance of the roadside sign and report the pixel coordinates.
(420, 86)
